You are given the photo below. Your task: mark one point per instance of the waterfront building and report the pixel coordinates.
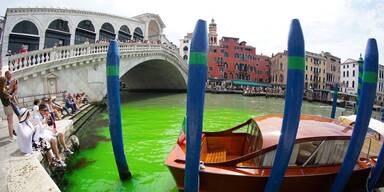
(380, 86)
(321, 70)
(38, 28)
(184, 46)
(349, 74)
(234, 60)
(332, 70)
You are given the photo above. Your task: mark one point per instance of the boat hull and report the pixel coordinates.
(314, 183)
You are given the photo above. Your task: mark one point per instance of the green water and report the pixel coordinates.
(151, 124)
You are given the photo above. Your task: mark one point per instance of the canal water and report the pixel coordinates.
(151, 124)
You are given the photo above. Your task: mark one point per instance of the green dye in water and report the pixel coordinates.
(151, 125)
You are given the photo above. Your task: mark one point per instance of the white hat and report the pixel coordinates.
(23, 114)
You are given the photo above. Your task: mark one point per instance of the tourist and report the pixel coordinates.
(5, 100)
(55, 131)
(12, 88)
(52, 110)
(59, 106)
(25, 131)
(69, 103)
(43, 133)
(36, 103)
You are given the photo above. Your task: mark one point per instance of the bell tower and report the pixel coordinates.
(212, 35)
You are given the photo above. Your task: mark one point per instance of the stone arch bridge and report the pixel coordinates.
(81, 68)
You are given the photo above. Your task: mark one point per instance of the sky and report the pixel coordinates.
(341, 27)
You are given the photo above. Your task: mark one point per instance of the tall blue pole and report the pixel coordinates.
(113, 93)
(360, 62)
(293, 101)
(334, 102)
(197, 75)
(368, 93)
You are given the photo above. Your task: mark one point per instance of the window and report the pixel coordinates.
(353, 73)
(185, 48)
(347, 73)
(312, 153)
(353, 84)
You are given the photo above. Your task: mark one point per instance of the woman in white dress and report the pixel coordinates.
(25, 131)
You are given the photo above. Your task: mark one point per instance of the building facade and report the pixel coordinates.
(234, 60)
(349, 75)
(279, 68)
(380, 86)
(38, 28)
(321, 70)
(332, 70)
(184, 46)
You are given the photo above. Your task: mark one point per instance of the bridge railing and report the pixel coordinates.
(26, 60)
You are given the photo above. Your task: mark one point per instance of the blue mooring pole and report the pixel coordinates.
(368, 93)
(197, 76)
(113, 93)
(334, 102)
(293, 101)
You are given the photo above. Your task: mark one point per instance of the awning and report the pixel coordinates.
(373, 123)
(250, 83)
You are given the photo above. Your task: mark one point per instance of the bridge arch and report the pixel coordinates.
(85, 31)
(107, 32)
(24, 33)
(138, 34)
(154, 31)
(154, 75)
(124, 34)
(57, 33)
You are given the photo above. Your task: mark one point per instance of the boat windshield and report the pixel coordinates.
(311, 153)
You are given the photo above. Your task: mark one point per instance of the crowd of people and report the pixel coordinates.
(37, 130)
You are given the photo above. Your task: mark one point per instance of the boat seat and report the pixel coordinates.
(217, 156)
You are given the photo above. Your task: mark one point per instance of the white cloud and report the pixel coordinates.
(341, 27)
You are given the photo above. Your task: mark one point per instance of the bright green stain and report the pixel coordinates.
(297, 63)
(198, 58)
(112, 70)
(150, 130)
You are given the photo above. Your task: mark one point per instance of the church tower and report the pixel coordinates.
(212, 35)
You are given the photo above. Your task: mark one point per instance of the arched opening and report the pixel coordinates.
(124, 34)
(138, 34)
(24, 37)
(154, 75)
(85, 32)
(185, 57)
(153, 31)
(107, 32)
(185, 48)
(57, 34)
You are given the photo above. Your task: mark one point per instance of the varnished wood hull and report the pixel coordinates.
(312, 183)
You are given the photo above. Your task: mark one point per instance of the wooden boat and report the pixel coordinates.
(241, 158)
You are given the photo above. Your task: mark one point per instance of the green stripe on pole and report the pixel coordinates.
(198, 58)
(297, 63)
(112, 70)
(370, 77)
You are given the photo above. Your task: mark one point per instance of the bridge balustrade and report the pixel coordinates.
(34, 58)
